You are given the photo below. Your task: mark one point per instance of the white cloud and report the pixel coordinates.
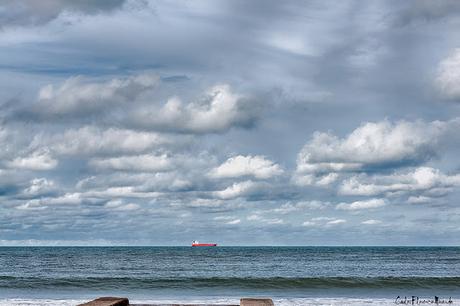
(38, 160)
(371, 222)
(40, 186)
(42, 203)
(269, 221)
(256, 166)
(419, 200)
(146, 162)
(308, 224)
(75, 96)
(93, 140)
(302, 205)
(366, 204)
(336, 222)
(233, 222)
(32, 205)
(157, 181)
(448, 78)
(68, 198)
(205, 203)
(118, 205)
(5, 136)
(322, 219)
(237, 190)
(421, 179)
(295, 44)
(219, 110)
(323, 222)
(304, 179)
(274, 221)
(254, 218)
(369, 146)
(223, 218)
(119, 192)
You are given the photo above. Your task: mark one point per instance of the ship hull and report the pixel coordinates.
(204, 244)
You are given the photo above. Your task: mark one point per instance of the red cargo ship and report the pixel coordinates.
(197, 244)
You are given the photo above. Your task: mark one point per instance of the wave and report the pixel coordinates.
(237, 283)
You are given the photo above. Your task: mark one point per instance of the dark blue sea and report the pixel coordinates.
(290, 275)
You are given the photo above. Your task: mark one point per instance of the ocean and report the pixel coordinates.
(289, 275)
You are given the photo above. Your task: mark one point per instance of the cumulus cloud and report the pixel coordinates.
(39, 187)
(90, 140)
(369, 147)
(77, 96)
(217, 111)
(358, 205)
(203, 203)
(448, 78)
(238, 190)
(305, 179)
(145, 162)
(43, 203)
(38, 160)
(119, 192)
(419, 180)
(158, 181)
(119, 205)
(257, 166)
(301, 205)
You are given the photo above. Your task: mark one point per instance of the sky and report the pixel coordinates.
(135, 122)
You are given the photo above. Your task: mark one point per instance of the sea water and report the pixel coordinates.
(289, 275)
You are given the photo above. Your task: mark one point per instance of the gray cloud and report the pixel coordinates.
(119, 102)
(427, 11)
(21, 13)
(77, 98)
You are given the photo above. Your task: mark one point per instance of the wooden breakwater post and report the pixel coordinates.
(107, 301)
(256, 302)
(115, 301)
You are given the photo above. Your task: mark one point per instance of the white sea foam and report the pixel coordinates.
(320, 301)
(39, 302)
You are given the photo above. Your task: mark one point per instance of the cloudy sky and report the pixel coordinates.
(238, 122)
